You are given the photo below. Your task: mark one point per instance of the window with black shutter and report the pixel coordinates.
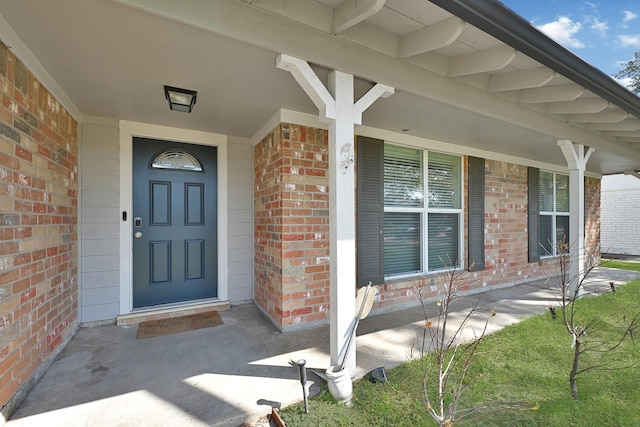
(409, 210)
(476, 214)
(370, 215)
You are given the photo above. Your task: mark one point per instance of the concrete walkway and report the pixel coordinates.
(233, 373)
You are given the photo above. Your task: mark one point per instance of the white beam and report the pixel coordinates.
(632, 173)
(430, 38)
(352, 12)
(525, 79)
(311, 84)
(610, 115)
(551, 94)
(626, 139)
(483, 61)
(378, 91)
(578, 106)
(621, 134)
(628, 124)
(577, 162)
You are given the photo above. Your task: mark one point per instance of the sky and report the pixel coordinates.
(604, 33)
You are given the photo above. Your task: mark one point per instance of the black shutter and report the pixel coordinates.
(370, 217)
(476, 214)
(533, 177)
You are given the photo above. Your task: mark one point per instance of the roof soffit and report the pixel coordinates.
(373, 46)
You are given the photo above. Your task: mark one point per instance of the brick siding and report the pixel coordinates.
(506, 252)
(592, 194)
(291, 230)
(38, 227)
(291, 227)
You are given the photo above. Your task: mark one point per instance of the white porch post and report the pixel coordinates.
(342, 243)
(337, 107)
(577, 161)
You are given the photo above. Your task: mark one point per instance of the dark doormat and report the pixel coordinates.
(173, 325)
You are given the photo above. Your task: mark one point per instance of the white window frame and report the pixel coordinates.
(554, 214)
(424, 212)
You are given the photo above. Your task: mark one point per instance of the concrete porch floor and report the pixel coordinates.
(233, 373)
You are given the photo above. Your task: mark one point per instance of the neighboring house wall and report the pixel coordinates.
(38, 230)
(620, 207)
(291, 231)
(100, 220)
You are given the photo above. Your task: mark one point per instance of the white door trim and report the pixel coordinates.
(129, 130)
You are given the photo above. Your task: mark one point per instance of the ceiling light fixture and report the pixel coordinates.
(180, 99)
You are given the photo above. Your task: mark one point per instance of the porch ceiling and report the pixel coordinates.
(454, 82)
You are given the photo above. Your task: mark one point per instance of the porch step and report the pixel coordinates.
(167, 312)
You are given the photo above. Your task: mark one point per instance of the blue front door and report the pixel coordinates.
(174, 222)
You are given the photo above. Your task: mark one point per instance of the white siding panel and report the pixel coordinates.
(240, 242)
(240, 268)
(100, 263)
(240, 214)
(239, 202)
(238, 255)
(102, 131)
(239, 229)
(100, 220)
(243, 216)
(100, 279)
(99, 231)
(241, 294)
(240, 151)
(100, 182)
(100, 215)
(239, 176)
(620, 204)
(93, 313)
(100, 296)
(239, 189)
(101, 150)
(96, 165)
(100, 247)
(100, 198)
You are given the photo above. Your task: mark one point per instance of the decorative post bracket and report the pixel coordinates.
(577, 162)
(336, 106)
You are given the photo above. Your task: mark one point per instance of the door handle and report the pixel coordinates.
(137, 221)
(138, 234)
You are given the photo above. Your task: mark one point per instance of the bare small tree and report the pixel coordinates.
(568, 288)
(446, 354)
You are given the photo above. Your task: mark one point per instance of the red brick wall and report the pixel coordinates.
(292, 225)
(506, 238)
(592, 188)
(38, 227)
(506, 251)
(291, 230)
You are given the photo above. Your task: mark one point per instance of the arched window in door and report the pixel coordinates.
(176, 159)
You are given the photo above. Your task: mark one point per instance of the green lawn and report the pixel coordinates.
(623, 265)
(528, 361)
